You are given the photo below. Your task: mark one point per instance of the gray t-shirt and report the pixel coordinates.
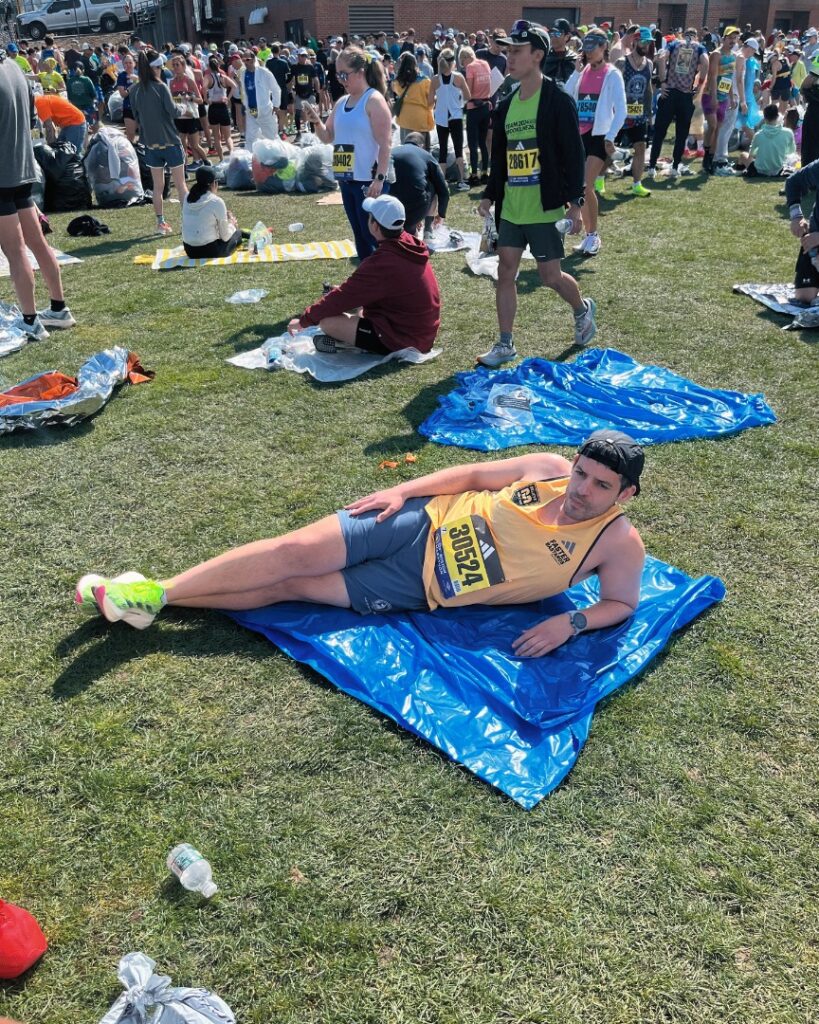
(17, 166)
(154, 110)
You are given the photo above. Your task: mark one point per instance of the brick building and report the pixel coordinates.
(296, 19)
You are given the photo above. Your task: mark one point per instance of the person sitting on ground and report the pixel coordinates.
(56, 112)
(806, 278)
(208, 230)
(506, 532)
(419, 185)
(395, 286)
(772, 144)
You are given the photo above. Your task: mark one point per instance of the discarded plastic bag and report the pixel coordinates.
(22, 942)
(239, 172)
(112, 167)
(512, 402)
(249, 295)
(149, 996)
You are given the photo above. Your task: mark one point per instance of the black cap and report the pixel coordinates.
(532, 34)
(562, 26)
(618, 451)
(205, 176)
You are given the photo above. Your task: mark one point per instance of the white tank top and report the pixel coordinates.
(449, 102)
(352, 128)
(216, 93)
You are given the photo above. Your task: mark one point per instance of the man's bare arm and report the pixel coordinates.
(619, 574)
(480, 476)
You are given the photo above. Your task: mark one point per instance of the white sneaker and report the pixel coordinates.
(585, 327)
(683, 170)
(49, 318)
(34, 332)
(581, 249)
(498, 355)
(592, 244)
(674, 173)
(462, 186)
(724, 171)
(84, 591)
(650, 172)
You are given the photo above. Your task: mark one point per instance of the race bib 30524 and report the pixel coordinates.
(466, 558)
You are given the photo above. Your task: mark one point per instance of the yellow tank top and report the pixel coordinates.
(492, 547)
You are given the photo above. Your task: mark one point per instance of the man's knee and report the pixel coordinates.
(550, 273)
(507, 269)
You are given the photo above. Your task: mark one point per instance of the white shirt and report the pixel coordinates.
(205, 221)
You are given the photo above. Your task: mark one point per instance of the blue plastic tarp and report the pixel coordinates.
(601, 388)
(450, 676)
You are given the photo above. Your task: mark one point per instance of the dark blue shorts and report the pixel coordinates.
(385, 561)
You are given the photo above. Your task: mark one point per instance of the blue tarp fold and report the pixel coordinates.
(450, 676)
(567, 401)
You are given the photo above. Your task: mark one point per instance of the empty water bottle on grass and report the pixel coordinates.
(192, 870)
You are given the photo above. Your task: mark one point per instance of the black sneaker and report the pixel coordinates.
(324, 343)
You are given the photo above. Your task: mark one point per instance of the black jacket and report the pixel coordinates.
(560, 148)
(559, 66)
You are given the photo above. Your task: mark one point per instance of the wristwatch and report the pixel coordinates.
(578, 202)
(381, 177)
(578, 622)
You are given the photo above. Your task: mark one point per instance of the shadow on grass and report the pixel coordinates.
(252, 336)
(110, 247)
(44, 437)
(97, 647)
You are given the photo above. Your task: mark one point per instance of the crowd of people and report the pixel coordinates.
(546, 114)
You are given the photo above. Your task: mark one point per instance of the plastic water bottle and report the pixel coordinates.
(564, 225)
(258, 238)
(293, 228)
(192, 870)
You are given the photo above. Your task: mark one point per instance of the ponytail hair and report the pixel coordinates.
(446, 59)
(406, 71)
(214, 65)
(147, 74)
(355, 58)
(196, 191)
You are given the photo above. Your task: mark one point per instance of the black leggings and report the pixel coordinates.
(456, 130)
(678, 107)
(477, 126)
(213, 249)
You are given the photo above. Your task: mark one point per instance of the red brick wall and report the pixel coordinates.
(326, 17)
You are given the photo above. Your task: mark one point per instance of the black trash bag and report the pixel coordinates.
(38, 187)
(87, 226)
(145, 173)
(66, 186)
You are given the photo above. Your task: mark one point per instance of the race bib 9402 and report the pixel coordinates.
(465, 557)
(343, 162)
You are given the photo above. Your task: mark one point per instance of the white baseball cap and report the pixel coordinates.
(388, 211)
(303, 53)
(752, 44)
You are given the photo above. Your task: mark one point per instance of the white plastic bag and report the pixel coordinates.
(248, 296)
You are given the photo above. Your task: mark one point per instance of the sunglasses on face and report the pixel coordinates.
(521, 26)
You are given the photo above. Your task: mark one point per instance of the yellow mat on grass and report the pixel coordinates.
(168, 259)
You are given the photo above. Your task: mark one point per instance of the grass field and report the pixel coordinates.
(363, 878)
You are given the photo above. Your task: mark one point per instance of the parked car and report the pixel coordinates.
(65, 17)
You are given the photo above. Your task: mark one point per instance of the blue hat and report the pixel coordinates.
(12, 48)
(646, 36)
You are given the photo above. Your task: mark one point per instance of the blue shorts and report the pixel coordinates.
(385, 561)
(164, 156)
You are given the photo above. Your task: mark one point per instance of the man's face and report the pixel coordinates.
(593, 489)
(521, 60)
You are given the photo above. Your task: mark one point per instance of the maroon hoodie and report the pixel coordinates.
(398, 291)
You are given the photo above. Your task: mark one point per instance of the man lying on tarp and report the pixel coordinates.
(504, 532)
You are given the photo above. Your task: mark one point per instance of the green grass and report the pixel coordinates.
(362, 877)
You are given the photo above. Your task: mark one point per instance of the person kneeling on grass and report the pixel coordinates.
(395, 286)
(208, 230)
(506, 532)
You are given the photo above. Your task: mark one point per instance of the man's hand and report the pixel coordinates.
(437, 221)
(810, 240)
(375, 189)
(799, 227)
(294, 326)
(575, 215)
(484, 206)
(544, 637)
(610, 147)
(743, 108)
(389, 501)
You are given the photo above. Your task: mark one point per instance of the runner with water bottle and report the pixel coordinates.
(536, 172)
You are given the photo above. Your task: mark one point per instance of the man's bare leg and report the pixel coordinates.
(342, 327)
(302, 565)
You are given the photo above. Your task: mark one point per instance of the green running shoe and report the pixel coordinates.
(600, 185)
(137, 603)
(84, 593)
